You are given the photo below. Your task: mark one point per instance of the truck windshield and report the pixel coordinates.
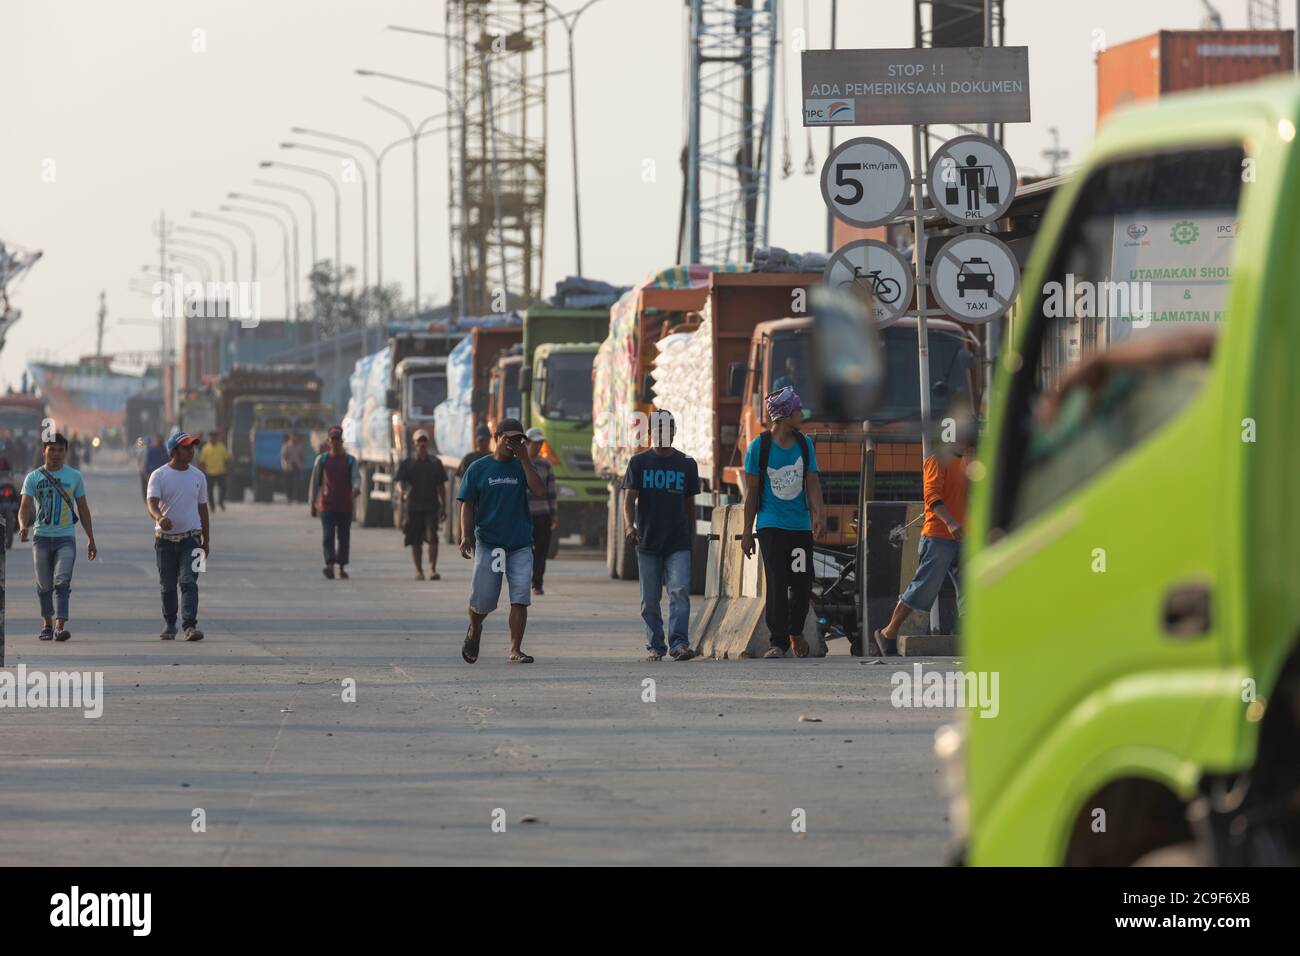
(568, 386)
(950, 363)
(427, 392)
(791, 365)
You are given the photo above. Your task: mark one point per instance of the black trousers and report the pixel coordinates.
(541, 547)
(789, 591)
(216, 483)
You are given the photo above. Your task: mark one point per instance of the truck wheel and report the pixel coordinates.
(371, 513)
(262, 489)
(626, 560)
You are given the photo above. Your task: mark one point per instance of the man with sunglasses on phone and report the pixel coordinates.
(47, 505)
(497, 533)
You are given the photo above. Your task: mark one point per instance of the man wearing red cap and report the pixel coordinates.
(335, 485)
(178, 502)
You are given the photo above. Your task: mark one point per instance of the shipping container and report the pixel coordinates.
(1175, 60)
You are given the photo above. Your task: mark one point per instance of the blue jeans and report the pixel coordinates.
(176, 566)
(656, 570)
(54, 559)
(337, 523)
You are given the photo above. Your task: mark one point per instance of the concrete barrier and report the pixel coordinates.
(730, 623)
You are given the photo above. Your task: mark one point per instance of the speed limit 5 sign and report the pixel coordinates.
(865, 181)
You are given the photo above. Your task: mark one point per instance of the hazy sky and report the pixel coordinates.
(110, 101)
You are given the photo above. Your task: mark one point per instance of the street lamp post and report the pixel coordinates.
(211, 250)
(212, 234)
(570, 23)
(252, 272)
(338, 255)
(293, 218)
(284, 230)
(365, 202)
(185, 259)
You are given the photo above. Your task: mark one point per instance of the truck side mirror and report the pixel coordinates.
(390, 399)
(847, 360)
(735, 378)
(478, 401)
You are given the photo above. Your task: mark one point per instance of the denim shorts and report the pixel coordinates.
(936, 556)
(490, 566)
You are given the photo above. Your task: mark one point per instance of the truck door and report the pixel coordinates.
(1106, 530)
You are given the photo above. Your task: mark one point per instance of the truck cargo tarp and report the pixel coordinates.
(575, 292)
(451, 419)
(614, 385)
(366, 426)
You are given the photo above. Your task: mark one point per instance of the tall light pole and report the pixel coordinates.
(212, 234)
(242, 226)
(570, 23)
(311, 207)
(183, 259)
(284, 230)
(379, 188)
(211, 250)
(415, 195)
(293, 218)
(338, 258)
(365, 201)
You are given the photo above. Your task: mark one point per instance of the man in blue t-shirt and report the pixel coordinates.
(659, 511)
(496, 531)
(47, 506)
(789, 516)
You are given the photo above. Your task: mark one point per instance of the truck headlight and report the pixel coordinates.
(950, 749)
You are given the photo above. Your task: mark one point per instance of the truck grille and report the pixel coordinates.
(579, 459)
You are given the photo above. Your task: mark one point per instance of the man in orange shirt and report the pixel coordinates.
(945, 486)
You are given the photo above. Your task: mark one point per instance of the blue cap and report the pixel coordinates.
(179, 439)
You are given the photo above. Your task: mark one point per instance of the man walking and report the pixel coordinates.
(178, 503)
(659, 511)
(47, 505)
(335, 485)
(423, 481)
(944, 488)
(291, 462)
(155, 456)
(783, 492)
(482, 443)
(496, 532)
(542, 508)
(213, 459)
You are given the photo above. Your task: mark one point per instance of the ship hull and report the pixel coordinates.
(85, 399)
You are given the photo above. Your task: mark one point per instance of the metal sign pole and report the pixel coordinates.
(918, 268)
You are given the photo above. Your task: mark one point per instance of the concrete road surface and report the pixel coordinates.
(250, 725)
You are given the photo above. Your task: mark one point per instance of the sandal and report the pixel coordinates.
(519, 659)
(435, 576)
(774, 652)
(469, 650)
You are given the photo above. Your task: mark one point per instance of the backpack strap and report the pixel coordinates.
(764, 454)
(804, 452)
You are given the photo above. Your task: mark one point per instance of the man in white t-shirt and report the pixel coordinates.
(178, 503)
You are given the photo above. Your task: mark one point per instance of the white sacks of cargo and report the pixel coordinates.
(452, 418)
(683, 385)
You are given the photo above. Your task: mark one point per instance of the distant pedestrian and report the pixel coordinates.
(424, 482)
(482, 446)
(178, 503)
(214, 458)
(155, 456)
(335, 486)
(497, 533)
(659, 511)
(47, 505)
(543, 508)
(944, 488)
(783, 493)
(291, 463)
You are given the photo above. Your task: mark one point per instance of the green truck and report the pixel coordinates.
(1133, 549)
(555, 395)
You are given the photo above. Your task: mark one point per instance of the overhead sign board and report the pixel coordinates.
(971, 180)
(975, 278)
(865, 181)
(877, 273)
(903, 87)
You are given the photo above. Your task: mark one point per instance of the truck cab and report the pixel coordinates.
(1134, 537)
(272, 421)
(504, 399)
